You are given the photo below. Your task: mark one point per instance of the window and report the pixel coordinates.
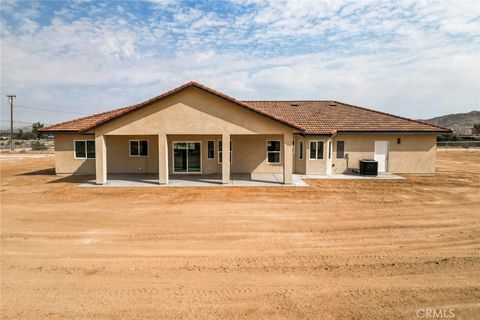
(300, 149)
(316, 150)
(210, 150)
(340, 149)
(84, 149)
(273, 151)
(138, 148)
(220, 151)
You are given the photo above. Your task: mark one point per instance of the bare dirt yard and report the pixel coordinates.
(339, 249)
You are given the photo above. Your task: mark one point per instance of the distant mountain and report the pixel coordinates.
(461, 123)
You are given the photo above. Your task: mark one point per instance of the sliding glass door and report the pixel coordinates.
(187, 157)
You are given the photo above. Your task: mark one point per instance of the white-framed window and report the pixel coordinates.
(220, 151)
(273, 151)
(210, 149)
(138, 148)
(316, 150)
(300, 150)
(84, 149)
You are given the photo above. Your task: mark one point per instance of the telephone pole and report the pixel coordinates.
(10, 98)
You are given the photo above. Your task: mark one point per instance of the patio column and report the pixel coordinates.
(329, 156)
(287, 158)
(162, 158)
(226, 158)
(100, 159)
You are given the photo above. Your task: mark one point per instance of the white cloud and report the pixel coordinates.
(411, 58)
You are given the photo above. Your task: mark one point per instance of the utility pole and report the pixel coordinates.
(10, 98)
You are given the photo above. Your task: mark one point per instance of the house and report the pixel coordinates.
(193, 129)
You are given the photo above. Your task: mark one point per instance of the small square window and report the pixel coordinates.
(138, 148)
(84, 149)
(273, 151)
(316, 150)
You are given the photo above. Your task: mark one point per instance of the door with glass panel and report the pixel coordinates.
(187, 157)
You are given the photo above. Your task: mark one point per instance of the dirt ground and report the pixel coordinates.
(339, 249)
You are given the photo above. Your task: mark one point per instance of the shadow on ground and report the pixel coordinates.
(42, 172)
(51, 172)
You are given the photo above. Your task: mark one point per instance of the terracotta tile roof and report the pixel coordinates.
(311, 117)
(326, 117)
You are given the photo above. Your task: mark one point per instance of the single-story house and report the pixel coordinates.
(188, 129)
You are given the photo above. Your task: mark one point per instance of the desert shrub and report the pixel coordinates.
(37, 145)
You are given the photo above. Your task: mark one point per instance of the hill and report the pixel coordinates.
(461, 123)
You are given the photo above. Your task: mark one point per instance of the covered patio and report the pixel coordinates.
(193, 159)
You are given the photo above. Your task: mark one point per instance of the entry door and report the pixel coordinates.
(187, 157)
(381, 155)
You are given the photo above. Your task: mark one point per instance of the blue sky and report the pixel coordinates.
(416, 59)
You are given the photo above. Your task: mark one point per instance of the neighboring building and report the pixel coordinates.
(188, 129)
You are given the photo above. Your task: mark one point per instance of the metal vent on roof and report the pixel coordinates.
(332, 104)
(294, 104)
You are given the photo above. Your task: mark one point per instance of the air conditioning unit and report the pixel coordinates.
(368, 167)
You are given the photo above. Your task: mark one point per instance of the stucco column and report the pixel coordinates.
(287, 158)
(100, 159)
(226, 158)
(162, 159)
(329, 156)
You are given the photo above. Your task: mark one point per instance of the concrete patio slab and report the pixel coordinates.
(237, 180)
(151, 180)
(352, 176)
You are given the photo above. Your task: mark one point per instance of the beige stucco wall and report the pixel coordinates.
(193, 112)
(65, 162)
(120, 161)
(414, 155)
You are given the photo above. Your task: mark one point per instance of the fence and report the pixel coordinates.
(458, 145)
(27, 145)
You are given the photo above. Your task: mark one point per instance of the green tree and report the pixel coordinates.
(19, 135)
(35, 127)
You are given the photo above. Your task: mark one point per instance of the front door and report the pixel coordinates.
(187, 157)
(381, 155)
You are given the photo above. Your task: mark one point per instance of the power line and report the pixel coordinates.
(19, 121)
(46, 109)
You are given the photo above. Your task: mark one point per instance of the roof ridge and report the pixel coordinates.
(287, 100)
(202, 87)
(391, 115)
